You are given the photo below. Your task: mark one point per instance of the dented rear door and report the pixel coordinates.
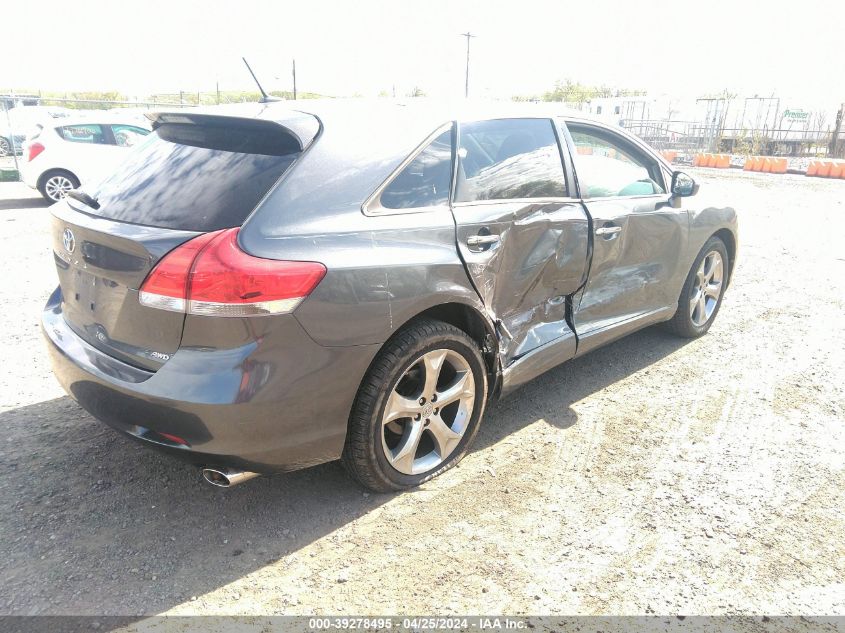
(523, 239)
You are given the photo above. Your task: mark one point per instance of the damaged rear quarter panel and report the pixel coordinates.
(380, 278)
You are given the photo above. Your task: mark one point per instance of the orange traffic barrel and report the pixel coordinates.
(767, 165)
(824, 169)
(813, 168)
(749, 164)
(781, 166)
(758, 163)
(836, 170)
(712, 159)
(723, 161)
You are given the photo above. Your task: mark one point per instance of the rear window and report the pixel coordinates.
(196, 177)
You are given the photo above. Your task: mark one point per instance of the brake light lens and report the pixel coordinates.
(166, 286)
(210, 275)
(34, 150)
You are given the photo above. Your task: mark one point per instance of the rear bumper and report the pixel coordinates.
(268, 406)
(28, 174)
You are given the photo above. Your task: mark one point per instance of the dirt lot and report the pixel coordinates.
(652, 476)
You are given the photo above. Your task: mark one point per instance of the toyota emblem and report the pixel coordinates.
(68, 240)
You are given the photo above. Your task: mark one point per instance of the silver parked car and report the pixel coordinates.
(270, 286)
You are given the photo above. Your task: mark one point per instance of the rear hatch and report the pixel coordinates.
(194, 174)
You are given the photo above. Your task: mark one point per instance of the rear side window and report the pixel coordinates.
(509, 159)
(88, 133)
(425, 181)
(195, 177)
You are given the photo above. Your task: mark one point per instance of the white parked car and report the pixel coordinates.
(15, 123)
(63, 154)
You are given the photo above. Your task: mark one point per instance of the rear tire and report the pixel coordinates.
(398, 436)
(5, 147)
(704, 288)
(55, 184)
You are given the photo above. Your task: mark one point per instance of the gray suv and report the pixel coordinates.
(266, 287)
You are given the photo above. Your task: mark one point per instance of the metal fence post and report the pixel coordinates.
(12, 139)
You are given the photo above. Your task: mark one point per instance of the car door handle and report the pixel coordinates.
(481, 240)
(607, 231)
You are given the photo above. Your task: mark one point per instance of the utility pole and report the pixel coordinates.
(837, 147)
(294, 79)
(466, 85)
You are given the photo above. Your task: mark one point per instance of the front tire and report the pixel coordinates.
(55, 185)
(701, 296)
(418, 408)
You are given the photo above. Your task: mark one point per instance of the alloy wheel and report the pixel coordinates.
(57, 187)
(428, 411)
(707, 288)
(5, 148)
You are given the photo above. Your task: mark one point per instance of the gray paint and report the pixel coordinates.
(101, 278)
(524, 277)
(274, 393)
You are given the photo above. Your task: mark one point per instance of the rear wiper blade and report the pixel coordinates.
(83, 198)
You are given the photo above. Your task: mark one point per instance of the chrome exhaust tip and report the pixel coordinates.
(226, 477)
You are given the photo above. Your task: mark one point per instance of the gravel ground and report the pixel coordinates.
(653, 476)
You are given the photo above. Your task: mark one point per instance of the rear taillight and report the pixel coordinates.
(34, 150)
(211, 275)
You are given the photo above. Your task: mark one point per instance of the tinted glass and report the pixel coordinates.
(508, 159)
(88, 133)
(128, 135)
(607, 166)
(194, 178)
(425, 181)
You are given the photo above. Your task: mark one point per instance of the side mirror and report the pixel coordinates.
(683, 185)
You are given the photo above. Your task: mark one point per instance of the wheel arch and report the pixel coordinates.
(471, 320)
(729, 240)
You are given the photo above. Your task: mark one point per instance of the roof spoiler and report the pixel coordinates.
(301, 128)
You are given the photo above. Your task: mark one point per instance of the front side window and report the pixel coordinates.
(509, 159)
(608, 166)
(128, 135)
(88, 133)
(425, 180)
